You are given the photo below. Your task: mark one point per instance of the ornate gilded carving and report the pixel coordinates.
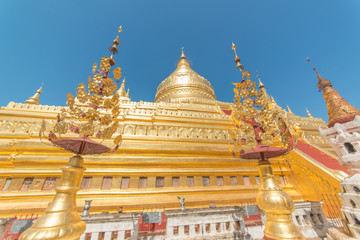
(12, 142)
(129, 130)
(151, 131)
(193, 133)
(140, 130)
(7, 126)
(202, 133)
(163, 131)
(34, 128)
(12, 157)
(173, 132)
(211, 134)
(183, 133)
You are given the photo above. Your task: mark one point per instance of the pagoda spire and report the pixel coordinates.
(122, 92)
(308, 113)
(183, 62)
(182, 53)
(339, 110)
(262, 86)
(35, 99)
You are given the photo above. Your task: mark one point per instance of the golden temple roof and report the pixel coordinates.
(184, 83)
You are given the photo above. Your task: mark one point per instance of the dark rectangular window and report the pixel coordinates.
(114, 235)
(159, 182)
(257, 179)
(106, 183)
(197, 228)
(206, 181)
(86, 183)
(220, 181)
(143, 182)
(125, 182)
(49, 183)
(27, 184)
(6, 185)
(190, 181)
(233, 180)
(186, 229)
(176, 181)
(175, 230)
(246, 180)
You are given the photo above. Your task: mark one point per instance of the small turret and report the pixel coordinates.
(308, 114)
(34, 99)
(122, 92)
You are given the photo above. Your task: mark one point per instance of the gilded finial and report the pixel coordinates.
(182, 53)
(35, 99)
(289, 110)
(308, 114)
(113, 49)
(122, 92)
(322, 82)
(237, 59)
(233, 47)
(261, 85)
(183, 62)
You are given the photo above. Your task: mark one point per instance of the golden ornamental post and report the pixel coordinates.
(93, 113)
(61, 219)
(277, 206)
(257, 123)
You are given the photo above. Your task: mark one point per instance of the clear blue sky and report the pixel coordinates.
(56, 43)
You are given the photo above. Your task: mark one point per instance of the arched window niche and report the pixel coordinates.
(353, 204)
(349, 147)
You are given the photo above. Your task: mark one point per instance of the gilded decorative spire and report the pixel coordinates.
(182, 53)
(122, 92)
(183, 62)
(289, 110)
(34, 99)
(261, 85)
(308, 114)
(339, 110)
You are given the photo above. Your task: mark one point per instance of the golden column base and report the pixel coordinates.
(61, 220)
(277, 205)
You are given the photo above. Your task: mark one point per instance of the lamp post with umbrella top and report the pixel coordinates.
(258, 125)
(92, 114)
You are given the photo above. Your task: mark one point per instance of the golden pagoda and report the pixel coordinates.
(177, 145)
(339, 110)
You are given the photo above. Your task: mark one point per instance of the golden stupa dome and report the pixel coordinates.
(184, 83)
